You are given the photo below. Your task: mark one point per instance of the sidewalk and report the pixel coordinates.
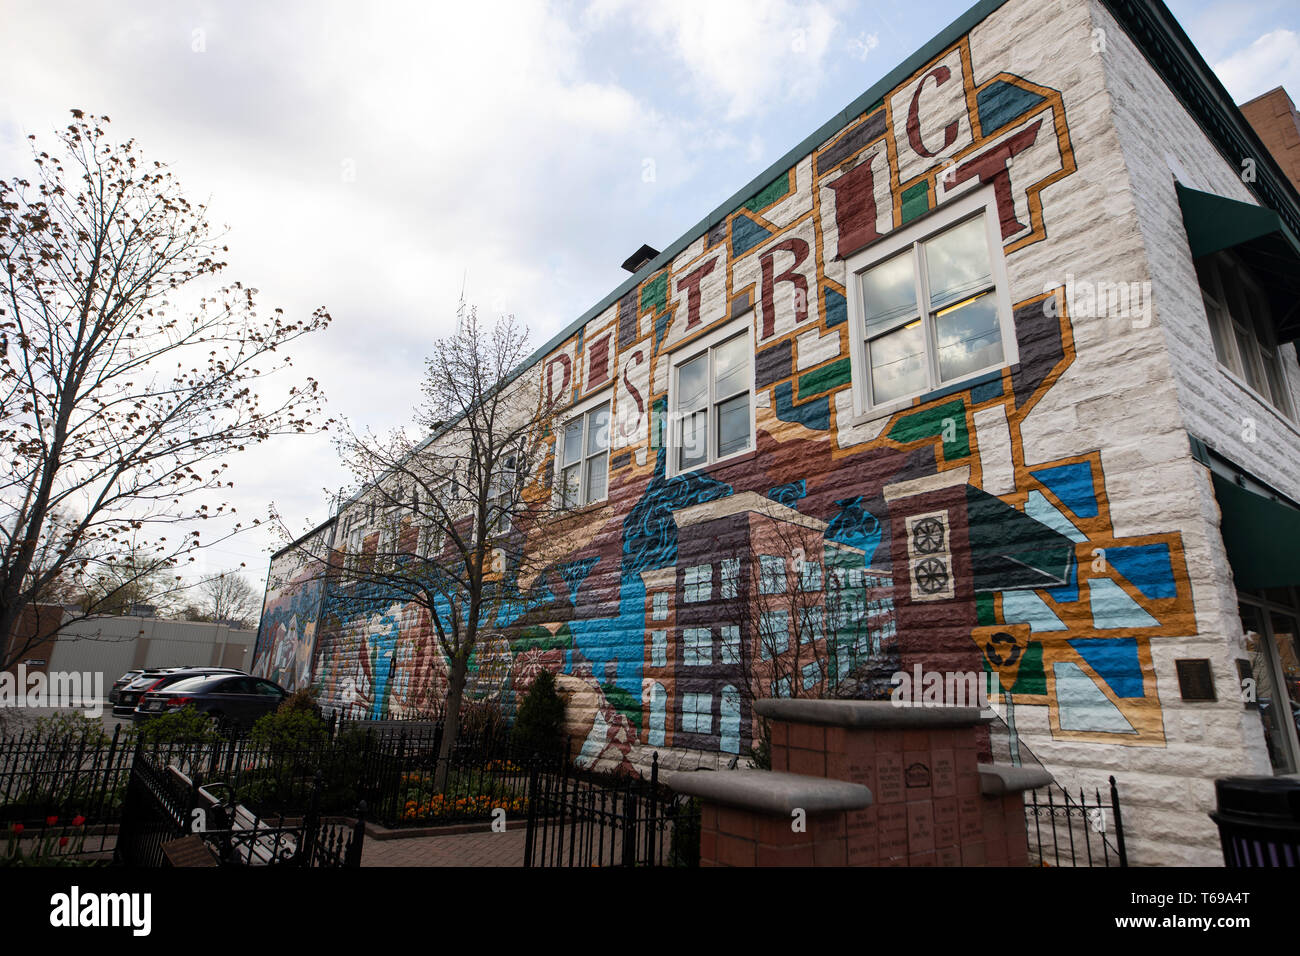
(461, 849)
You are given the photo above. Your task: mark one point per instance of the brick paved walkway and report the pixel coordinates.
(460, 849)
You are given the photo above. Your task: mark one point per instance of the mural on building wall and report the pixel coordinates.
(287, 632)
(948, 549)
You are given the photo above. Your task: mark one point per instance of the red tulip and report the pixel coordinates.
(63, 841)
(18, 828)
(78, 820)
(50, 821)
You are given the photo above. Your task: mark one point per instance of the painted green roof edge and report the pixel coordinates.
(1156, 32)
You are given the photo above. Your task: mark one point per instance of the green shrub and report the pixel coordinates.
(290, 728)
(74, 724)
(539, 724)
(184, 726)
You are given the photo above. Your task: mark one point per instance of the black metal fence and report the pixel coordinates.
(163, 805)
(1069, 830)
(577, 819)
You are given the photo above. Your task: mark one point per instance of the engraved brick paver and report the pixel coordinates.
(460, 849)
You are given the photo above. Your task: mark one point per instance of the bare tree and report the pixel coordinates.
(228, 597)
(800, 606)
(437, 522)
(128, 373)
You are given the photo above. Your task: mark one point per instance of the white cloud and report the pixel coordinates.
(1272, 60)
(740, 55)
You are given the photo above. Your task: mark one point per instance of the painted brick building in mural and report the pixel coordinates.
(1005, 349)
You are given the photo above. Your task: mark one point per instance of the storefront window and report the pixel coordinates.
(1271, 641)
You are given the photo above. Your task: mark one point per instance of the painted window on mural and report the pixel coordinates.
(812, 675)
(810, 576)
(730, 577)
(697, 646)
(584, 458)
(698, 583)
(781, 688)
(658, 648)
(929, 306)
(771, 574)
(773, 633)
(658, 714)
(712, 408)
(730, 729)
(730, 644)
(810, 626)
(1242, 328)
(697, 713)
(659, 606)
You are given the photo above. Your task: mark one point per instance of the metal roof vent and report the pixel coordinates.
(639, 258)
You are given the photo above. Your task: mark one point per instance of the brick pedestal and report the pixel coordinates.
(881, 786)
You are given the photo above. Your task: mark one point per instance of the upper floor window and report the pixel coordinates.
(711, 408)
(930, 305)
(583, 457)
(1242, 328)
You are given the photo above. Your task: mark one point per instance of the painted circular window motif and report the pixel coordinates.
(927, 536)
(931, 576)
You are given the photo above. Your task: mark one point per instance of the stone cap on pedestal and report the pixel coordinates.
(878, 714)
(995, 781)
(767, 791)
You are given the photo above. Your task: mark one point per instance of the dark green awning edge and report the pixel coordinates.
(1262, 537)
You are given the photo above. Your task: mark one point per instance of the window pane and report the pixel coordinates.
(733, 425)
(693, 384)
(572, 441)
(695, 446)
(569, 486)
(598, 430)
(889, 292)
(897, 363)
(1220, 332)
(958, 263)
(731, 367)
(968, 337)
(1276, 381)
(1249, 359)
(597, 470)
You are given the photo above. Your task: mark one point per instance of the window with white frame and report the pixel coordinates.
(583, 457)
(930, 305)
(1242, 328)
(711, 409)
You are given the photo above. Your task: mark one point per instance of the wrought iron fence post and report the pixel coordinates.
(530, 794)
(352, 859)
(307, 848)
(1119, 823)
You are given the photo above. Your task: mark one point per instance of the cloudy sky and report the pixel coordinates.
(376, 158)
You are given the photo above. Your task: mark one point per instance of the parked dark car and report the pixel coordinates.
(157, 678)
(233, 700)
(121, 682)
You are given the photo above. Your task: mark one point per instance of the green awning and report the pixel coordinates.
(1259, 236)
(1262, 536)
